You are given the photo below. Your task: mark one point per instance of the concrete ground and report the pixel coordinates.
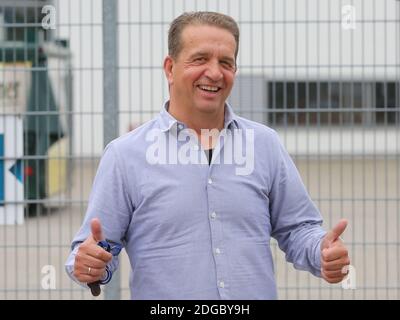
(365, 191)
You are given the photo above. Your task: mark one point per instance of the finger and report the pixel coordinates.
(338, 242)
(334, 265)
(334, 274)
(92, 249)
(82, 274)
(85, 259)
(94, 273)
(96, 229)
(334, 253)
(337, 231)
(331, 279)
(85, 278)
(100, 254)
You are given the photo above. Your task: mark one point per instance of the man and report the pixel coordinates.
(201, 230)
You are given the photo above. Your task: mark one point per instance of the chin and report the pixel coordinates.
(209, 108)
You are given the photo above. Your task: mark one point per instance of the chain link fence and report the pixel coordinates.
(76, 74)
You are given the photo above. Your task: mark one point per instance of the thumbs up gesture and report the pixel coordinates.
(91, 260)
(334, 254)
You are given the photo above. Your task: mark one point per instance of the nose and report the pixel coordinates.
(213, 71)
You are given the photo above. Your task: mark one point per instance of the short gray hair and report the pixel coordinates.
(199, 18)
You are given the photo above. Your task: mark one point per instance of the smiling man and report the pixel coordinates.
(200, 69)
(200, 75)
(200, 230)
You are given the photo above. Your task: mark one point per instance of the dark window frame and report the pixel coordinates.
(336, 103)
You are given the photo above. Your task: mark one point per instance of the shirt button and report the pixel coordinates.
(217, 251)
(213, 215)
(210, 181)
(221, 284)
(180, 126)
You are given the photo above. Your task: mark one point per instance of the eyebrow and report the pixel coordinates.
(205, 54)
(199, 54)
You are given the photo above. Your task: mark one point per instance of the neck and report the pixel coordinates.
(198, 120)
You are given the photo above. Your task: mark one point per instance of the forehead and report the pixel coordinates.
(207, 38)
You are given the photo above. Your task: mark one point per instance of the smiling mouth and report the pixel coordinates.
(211, 89)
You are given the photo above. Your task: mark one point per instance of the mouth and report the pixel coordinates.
(209, 89)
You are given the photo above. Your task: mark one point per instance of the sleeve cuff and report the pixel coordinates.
(107, 276)
(317, 257)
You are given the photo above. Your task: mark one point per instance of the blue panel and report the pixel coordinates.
(16, 170)
(1, 170)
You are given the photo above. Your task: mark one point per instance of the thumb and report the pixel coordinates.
(97, 232)
(335, 233)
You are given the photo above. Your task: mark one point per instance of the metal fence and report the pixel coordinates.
(76, 74)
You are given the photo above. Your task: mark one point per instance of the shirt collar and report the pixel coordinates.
(231, 119)
(167, 121)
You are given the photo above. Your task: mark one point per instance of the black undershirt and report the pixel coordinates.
(209, 155)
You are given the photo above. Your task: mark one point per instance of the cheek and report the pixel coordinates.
(192, 74)
(229, 79)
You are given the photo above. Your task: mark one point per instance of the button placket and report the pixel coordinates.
(217, 243)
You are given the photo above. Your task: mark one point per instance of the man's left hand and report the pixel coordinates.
(334, 254)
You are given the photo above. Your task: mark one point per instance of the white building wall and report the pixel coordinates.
(292, 39)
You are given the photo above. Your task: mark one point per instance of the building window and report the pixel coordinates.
(333, 103)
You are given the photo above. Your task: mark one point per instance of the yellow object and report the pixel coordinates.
(57, 168)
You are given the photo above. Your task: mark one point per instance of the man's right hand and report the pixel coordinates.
(91, 259)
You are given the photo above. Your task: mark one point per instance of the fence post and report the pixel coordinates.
(110, 100)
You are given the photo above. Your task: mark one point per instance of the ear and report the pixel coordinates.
(168, 69)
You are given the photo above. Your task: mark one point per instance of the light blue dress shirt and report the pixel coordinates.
(194, 231)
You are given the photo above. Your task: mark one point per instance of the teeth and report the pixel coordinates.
(209, 88)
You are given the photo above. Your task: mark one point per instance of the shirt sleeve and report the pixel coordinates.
(110, 202)
(295, 220)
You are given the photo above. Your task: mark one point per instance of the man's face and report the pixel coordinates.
(202, 76)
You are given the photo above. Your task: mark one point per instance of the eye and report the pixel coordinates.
(199, 59)
(227, 64)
